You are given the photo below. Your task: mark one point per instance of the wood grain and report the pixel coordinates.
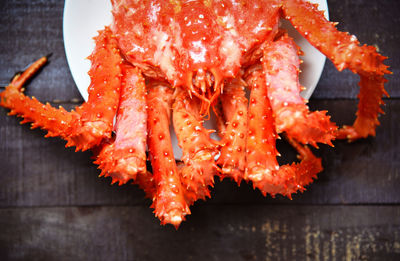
(212, 233)
(54, 207)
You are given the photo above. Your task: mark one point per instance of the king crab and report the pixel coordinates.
(194, 56)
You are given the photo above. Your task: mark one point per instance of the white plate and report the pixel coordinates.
(83, 18)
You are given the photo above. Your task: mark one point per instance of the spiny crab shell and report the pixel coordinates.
(175, 59)
(176, 39)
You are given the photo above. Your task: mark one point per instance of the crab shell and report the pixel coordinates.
(175, 39)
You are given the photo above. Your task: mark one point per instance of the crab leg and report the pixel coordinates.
(219, 118)
(90, 123)
(198, 149)
(281, 65)
(42, 115)
(145, 181)
(191, 194)
(124, 158)
(233, 153)
(169, 202)
(262, 167)
(345, 51)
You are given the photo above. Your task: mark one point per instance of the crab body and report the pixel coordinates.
(164, 59)
(182, 38)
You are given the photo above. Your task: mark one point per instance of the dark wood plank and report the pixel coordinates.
(38, 171)
(211, 233)
(41, 172)
(29, 30)
(38, 176)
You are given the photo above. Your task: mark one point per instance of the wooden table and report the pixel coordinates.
(54, 207)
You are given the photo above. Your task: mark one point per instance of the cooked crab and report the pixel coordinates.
(161, 59)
